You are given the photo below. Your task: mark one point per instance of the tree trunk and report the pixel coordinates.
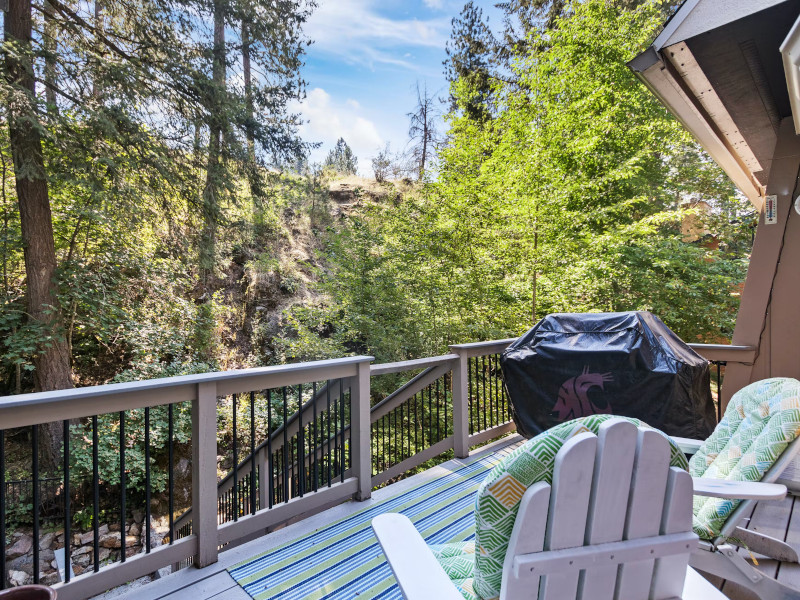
(248, 91)
(214, 175)
(50, 49)
(98, 24)
(52, 360)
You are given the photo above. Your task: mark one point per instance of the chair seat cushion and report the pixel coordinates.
(498, 497)
(458, 561)
(761, 420)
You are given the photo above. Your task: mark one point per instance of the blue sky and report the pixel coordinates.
(362, 68)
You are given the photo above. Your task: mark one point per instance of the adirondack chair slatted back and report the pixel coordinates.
(616, 522)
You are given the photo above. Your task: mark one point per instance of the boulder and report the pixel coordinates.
(22, 546)
(22, 563)
(111, 540)
(17, 578)
(46, 541)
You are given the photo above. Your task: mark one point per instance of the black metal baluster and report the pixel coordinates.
(67, 507)
(285, 451)
(270, 460)
(483, 385)
(472, 428)
(234, 400)
(393, 444)
(122, 483)
(328, 385)
(147, 477)
(96, 494)
(341, 430)
(3, 510)
(316, 438)
(430, 415)
(487, 387)
(170, 473)
(438, 412)
(416, 424)
(719, 392)
(253, 479)
(301, 443)
(403, 433)
(336, 431)
(35, 485)
(492, 393)
(447, 383)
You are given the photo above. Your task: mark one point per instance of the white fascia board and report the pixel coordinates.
(699, 16)
(659, 80)
(790, 52)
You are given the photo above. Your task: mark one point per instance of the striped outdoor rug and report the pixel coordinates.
(344, 560)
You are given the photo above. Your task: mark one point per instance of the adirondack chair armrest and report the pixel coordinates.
(743, 490)
(416, 569)
(687, 445)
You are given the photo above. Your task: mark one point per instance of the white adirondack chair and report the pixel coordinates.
(616, 523)
(720, 557)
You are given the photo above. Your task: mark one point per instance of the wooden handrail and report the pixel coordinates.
(725, 352)
(45, 407)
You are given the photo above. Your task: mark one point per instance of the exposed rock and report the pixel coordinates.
(134, 529)
(22, 546)
(46, 541)
(102, 530)
(81, 550)
(104, 554)
(49, 578)
(45, 556)
(82, 560)
(138, 516)
(17, 578)
(86, 538)
(111, 540)
(22, 563)
(113, 527)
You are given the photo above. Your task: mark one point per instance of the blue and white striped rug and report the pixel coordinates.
(344, 560)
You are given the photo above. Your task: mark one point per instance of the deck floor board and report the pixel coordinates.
(780, 519)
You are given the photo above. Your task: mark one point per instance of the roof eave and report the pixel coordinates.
(652, 70)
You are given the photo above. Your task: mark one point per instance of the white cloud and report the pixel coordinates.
(353, 30)
(328, 121)
(435, 4)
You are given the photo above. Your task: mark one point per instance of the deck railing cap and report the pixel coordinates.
(7, 402)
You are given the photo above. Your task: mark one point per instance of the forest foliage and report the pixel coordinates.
(183, 242)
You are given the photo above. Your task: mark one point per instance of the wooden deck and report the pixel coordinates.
(778, 519)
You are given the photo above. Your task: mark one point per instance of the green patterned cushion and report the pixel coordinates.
(759, 423)
(458, 561)
(498, 497)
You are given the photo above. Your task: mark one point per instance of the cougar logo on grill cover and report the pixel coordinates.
(573, 397)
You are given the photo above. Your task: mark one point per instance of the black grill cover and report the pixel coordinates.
(577, 364)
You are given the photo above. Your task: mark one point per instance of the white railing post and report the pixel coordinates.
(360, 429)
(204, 474)
(460, 403)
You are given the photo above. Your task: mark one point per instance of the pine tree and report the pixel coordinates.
(469, 56)
(341, 159)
